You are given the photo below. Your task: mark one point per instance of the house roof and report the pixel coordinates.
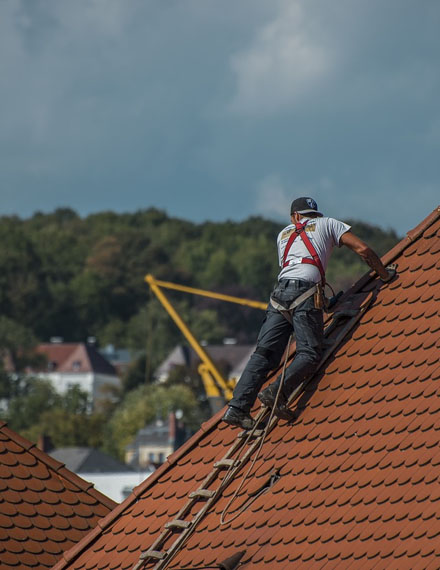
(75, 357)
(352, 482)
(182, 355)
(88, 460)
(44, 508)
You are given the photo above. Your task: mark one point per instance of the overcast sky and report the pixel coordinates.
(221, 109)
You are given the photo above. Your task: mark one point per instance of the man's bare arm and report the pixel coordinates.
(367, 254)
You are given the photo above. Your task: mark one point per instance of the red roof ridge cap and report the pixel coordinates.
(58, 467)
(416, 232)
(412, 236)
(59, 345)
(17, 438)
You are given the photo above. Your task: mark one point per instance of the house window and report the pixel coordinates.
(76, 365)
(51, 365)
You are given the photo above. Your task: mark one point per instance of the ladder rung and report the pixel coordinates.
(244, 434)
(202, 494)
(224, 463)
(156, 554)
(178, 524)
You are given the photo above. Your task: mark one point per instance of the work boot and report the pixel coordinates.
(267, 398)
(239, 418)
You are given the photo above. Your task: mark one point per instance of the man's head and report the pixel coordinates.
(304, 206)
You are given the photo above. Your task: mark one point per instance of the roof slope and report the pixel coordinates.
(355, 478)
(44, 508)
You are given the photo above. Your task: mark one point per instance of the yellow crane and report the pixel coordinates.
(218, 389)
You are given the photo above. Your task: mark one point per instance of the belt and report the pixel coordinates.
(296, 302)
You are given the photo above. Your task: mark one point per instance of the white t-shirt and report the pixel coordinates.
(324, 234)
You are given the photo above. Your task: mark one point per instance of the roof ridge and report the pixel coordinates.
(61, 343)
(412, 235)
(57, 466)
(207, 426)
(424, 224)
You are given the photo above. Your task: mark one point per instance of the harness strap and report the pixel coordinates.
(289, 243)
(300, 231)
(295, 303)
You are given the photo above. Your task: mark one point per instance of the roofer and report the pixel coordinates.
(296, 303)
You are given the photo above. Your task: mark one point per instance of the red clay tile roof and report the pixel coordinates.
(44, 508)
(76, 357)
(355, 479)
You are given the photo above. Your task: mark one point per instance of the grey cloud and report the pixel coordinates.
(202, 107)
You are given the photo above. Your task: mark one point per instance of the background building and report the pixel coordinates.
(110, 476)
(78, 364)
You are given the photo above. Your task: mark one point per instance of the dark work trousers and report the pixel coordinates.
(272, 340)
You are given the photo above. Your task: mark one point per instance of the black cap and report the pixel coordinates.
(305, 205)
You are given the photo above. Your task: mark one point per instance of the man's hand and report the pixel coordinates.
(391, 270)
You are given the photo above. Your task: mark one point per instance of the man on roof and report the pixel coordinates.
(296, 304)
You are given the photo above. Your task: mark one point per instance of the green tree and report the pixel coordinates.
(17, 344)
(136, 375)
(68, 428)
(23, 294)
(37, 409)
(219, 270)
(33, 397)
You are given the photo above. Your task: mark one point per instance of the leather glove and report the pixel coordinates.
(392, 270)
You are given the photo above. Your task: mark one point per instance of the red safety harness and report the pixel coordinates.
(300, 231)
